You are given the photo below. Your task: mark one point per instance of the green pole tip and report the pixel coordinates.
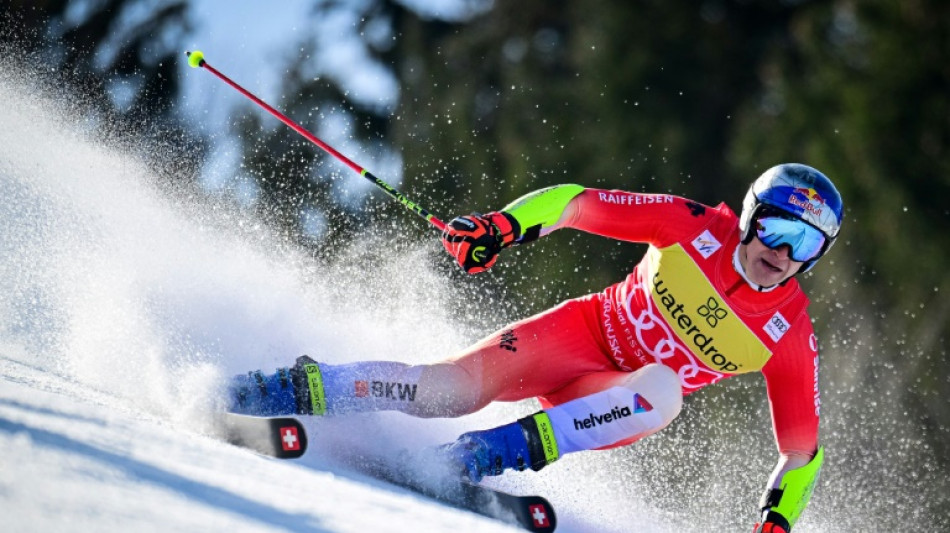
(195, 59)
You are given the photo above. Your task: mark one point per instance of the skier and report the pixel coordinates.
(714, 296)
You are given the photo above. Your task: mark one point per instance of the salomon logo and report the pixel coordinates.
(596, 420)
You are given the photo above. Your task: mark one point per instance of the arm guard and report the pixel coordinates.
(540, 210)
(789, 500)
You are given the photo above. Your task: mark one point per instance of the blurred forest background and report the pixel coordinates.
(494, 99)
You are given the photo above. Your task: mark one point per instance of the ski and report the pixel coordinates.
(286, 438)
(532, 513)
(280, 437)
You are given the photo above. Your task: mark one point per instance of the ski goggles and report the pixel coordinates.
(804, 242)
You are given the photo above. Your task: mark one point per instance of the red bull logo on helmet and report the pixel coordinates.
(808, 199)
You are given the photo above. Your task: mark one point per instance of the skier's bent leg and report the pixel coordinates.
(629, 407)
(442, 389)
(432, 390)
(533, 356)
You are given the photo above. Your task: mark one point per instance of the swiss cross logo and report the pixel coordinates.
(361, 388)
(540, 516)
(289, 439)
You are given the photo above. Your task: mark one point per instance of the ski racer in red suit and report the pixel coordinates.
(714, 296)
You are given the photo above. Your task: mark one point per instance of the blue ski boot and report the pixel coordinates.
(527, 443)
(286, 392)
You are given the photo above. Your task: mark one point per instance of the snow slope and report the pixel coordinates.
(75, 459)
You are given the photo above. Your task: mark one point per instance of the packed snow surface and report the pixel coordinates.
(77, 459)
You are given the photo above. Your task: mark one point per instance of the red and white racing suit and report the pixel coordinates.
(685, 306)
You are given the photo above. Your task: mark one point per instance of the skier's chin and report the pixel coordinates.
(767, 274)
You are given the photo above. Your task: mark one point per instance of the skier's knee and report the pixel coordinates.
(660, 385)
(447, 391)
(633, 407)
(449, 407)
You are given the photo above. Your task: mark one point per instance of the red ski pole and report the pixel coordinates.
(196, 60)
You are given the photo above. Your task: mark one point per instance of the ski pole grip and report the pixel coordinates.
(195, 59)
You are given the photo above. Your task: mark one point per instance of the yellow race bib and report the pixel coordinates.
(698, 314)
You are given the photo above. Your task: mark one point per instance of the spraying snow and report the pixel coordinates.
(123, 305)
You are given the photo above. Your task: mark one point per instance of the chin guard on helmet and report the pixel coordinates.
(785, 504)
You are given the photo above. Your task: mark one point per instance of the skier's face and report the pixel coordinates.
(766, 266)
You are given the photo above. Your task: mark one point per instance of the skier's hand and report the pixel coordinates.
(475, 240)
(772, 522)
(769, 527)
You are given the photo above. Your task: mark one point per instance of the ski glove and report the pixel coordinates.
(475, 240)
(772, 522)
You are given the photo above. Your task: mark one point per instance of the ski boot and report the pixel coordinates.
(286, 392)
(515, 446)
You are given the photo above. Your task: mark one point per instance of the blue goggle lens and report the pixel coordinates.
(804, 241)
